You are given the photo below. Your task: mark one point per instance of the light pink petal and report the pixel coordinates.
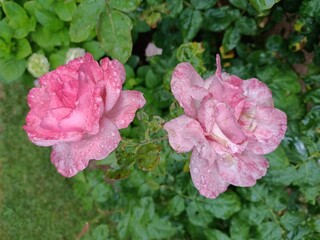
(44, 137)
(242, 169)
(228, 124)
(257, 92)
(188, 88)
(88, 108)
(184, 133)
(218, 62)
(37, 97)
(204, 173)
(114, 76)
(223, 142)
(233, 93)
(216, 88)
(51, 120)
(271, 126)
(93, 73)
(70, 158)
(206, 114)
(123, 113)
(77, 62)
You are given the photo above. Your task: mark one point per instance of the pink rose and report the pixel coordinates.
(229, 123)
(78, 109)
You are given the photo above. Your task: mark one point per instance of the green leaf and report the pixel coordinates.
(215, 235)
(58, 58)
(239, 228)
(198, 214)
(255, 213)
(11, 69)
(255, 193)
(218, 19)
(192, 52)
(190, 21)
(15, 14)
(282, 177)
(291, 104)
(124, 5)
(175, 7)
(85, 19)
(18, 19)
(278, 158)
(5, 49)
(152, 79)
(309, 172)
(6, 32)
(311, 193)
(47, 39)
(118, 173)
(114, 34)
(268, 230)
(224, 206)
(310, 8)
(263, 5)
(203, 4)
(48, 20)
(148, 156)
(246, 26)
(23, 49)
(176, 205)
(230, 39)
(291, 220)
(160, 228)
(281, 79)
(94, 48)
(65, 9)
(242, 4)
(101, 232)
(317, 225)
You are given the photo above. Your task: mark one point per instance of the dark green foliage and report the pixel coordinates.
(143, 190)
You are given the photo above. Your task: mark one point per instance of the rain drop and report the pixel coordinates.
(195, 170)
(113, 134)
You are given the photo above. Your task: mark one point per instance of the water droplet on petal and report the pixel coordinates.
(195, 170)
(113, 134)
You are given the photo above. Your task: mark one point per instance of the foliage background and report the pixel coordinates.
(275, 41)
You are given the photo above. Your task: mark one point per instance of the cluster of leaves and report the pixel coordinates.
(275, 41)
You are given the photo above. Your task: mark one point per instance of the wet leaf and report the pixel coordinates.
(114, 34)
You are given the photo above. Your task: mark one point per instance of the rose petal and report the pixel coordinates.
(114, 74)
(44, 137)
(88, 108)
(218, 63)
(271, 126)
(257, 92)
(188, 88)
(204, 173)
(242, 169)
(70, 158)
(206, 114)
(184, 133)
(216, 88)
(228, 124)
(123, 113)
